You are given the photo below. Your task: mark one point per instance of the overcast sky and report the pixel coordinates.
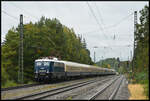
(107, 25)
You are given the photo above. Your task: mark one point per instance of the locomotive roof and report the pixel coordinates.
(42, 60)
(80, 65)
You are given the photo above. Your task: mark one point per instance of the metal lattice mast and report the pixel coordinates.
(21, 47)
(135, 23)
(19, 60)
(130, 59)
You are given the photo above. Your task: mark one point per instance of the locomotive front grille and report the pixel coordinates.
(42, 74)
(42, 71)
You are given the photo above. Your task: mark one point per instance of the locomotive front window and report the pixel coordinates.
(38, 63)
(42, 63)
(46, 63)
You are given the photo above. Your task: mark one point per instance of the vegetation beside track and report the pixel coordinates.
(141, 63)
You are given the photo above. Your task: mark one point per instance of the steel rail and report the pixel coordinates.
(115, 91)
(106, 85)
(57, 90)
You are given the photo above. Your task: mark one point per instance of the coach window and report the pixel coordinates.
(59, 67)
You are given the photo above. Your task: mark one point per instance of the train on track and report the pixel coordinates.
(46, 69)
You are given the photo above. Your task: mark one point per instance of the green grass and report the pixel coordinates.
(13, 84)
(9, 84)
(69, 98)
(146, 88)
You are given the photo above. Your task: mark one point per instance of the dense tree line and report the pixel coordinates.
(141, 63)
(142, 47)
(109, 63)
(122, 67)
(47, 37)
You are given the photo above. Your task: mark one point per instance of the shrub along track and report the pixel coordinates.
(19, 87)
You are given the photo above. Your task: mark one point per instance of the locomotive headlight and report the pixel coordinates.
(47, 71)
(36, 71)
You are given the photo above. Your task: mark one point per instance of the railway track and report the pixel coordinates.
(105, 86)
(112, 96)
(55, 91)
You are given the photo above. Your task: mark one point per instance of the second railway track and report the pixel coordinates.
(103, 89)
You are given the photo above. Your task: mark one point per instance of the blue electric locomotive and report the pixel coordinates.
(46, 69)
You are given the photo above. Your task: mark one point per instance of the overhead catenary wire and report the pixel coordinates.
(91, 31)
(10, 15)
(100, 16)
(96, 18)
(25, 11)
(123, 19)
(116, 24)
(15, 18)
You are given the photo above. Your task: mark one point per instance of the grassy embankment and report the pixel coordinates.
(13, 84)
(139, 86)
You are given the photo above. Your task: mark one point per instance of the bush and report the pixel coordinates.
(9, 84)
(146, 88)
(142, 78)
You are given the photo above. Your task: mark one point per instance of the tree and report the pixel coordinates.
(141, 66)
(142, 39)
